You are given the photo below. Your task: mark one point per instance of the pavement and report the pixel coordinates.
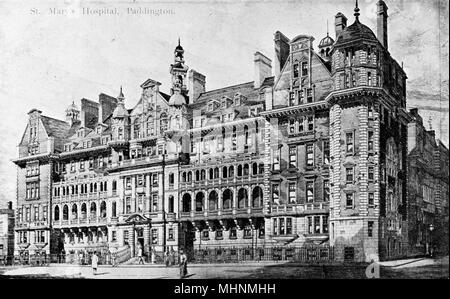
(408, 268)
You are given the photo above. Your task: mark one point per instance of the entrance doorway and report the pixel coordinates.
(139, 239)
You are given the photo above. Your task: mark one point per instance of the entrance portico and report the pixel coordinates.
(140, 233)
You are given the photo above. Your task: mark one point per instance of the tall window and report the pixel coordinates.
(349, 173)
(326, 152)
(233, 140)
(301, 124)
(301, 96)
(292, 192)
(326, 190)
(370, 141)
(291, 98)
(282, 226)
(154, 203)
(128, 205)
(296, 70)
(349, 201)
(276, 159)
(310, 191)
(292, 156)
(291, 126)
(370, 229)
(371, 199)
(309, 155)
(276, 193)
(309, 95)
(154, 236)
(349, 141)
(369, 78)
(304, 68)
(310, 120)
(371, 173)
(125, 237)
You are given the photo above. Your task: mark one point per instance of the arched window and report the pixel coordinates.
(189, 176)
(199, 201)
(213, 201)
(103, 209)
(257, 197)
(95, 187)
(211, 174)
(224, 172)
(216, 173)
(114, 186)
(242, 198)
(203, 175)
(91, 187)
(183, 177)
(231, 171)
(186, 202)
(197, 175)
(246, 169)
(74, 211)
(255, 168)
(239, 170)
(65, 212)
(120, 133)
(113, 209)
(227, 198)
(56, 214)
(93, 210)
(171, 204)
(83, 211)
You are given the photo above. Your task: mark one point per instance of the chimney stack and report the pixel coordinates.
(89, 113)
(382, 33)
(340, 22)
(196, 85)
(281, 51)
(263, 69)
(107, 104)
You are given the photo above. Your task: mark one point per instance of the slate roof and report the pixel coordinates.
(354, 32)
(55, 127)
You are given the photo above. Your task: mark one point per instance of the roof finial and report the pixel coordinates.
(179, 41)
(121, 96)
(356, 11)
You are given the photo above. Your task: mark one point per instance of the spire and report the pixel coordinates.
(120, 96)
(327, 30)
(179, 44)
(356, 11)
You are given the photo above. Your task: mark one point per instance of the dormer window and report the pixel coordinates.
(80, 133)
(224, 104)
(237, 102)
(210, 107)
(309, 95)
(99, 130)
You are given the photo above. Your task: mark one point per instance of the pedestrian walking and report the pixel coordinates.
(153, 256)
(183, 264)
(166, 258)
(141, 259)
(94, 263)
(171, 257)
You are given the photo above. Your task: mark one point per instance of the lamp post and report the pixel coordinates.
(431, 227)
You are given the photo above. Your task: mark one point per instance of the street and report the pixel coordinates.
(413, 268)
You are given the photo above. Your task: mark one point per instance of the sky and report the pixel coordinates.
(50, 58)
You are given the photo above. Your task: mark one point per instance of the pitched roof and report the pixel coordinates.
(55, 127)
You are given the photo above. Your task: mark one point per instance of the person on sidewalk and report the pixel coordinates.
(166, 258)
(183, 264)
(141, 259)
(94, 263)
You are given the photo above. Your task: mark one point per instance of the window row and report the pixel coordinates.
(140, 181)
(301, 96)
(39, 214)
(224, 172)
(83, 188)
(32, 169)
(317, 224)
(242, 200)
(301, 124)
(293, 191)
(83, 212)
(32, 190)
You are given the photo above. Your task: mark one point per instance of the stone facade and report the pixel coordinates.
(313, 156)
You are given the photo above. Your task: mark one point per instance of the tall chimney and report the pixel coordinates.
(196, 85)
(263, 69)
(107, 104)
(382, 33)
(89, 113)
(281, 51)
(340, 22)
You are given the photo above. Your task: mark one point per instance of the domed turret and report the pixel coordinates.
(177, 100)
(72, 113)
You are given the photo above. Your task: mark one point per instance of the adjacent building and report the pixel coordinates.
(6, 232)
(311, 153)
